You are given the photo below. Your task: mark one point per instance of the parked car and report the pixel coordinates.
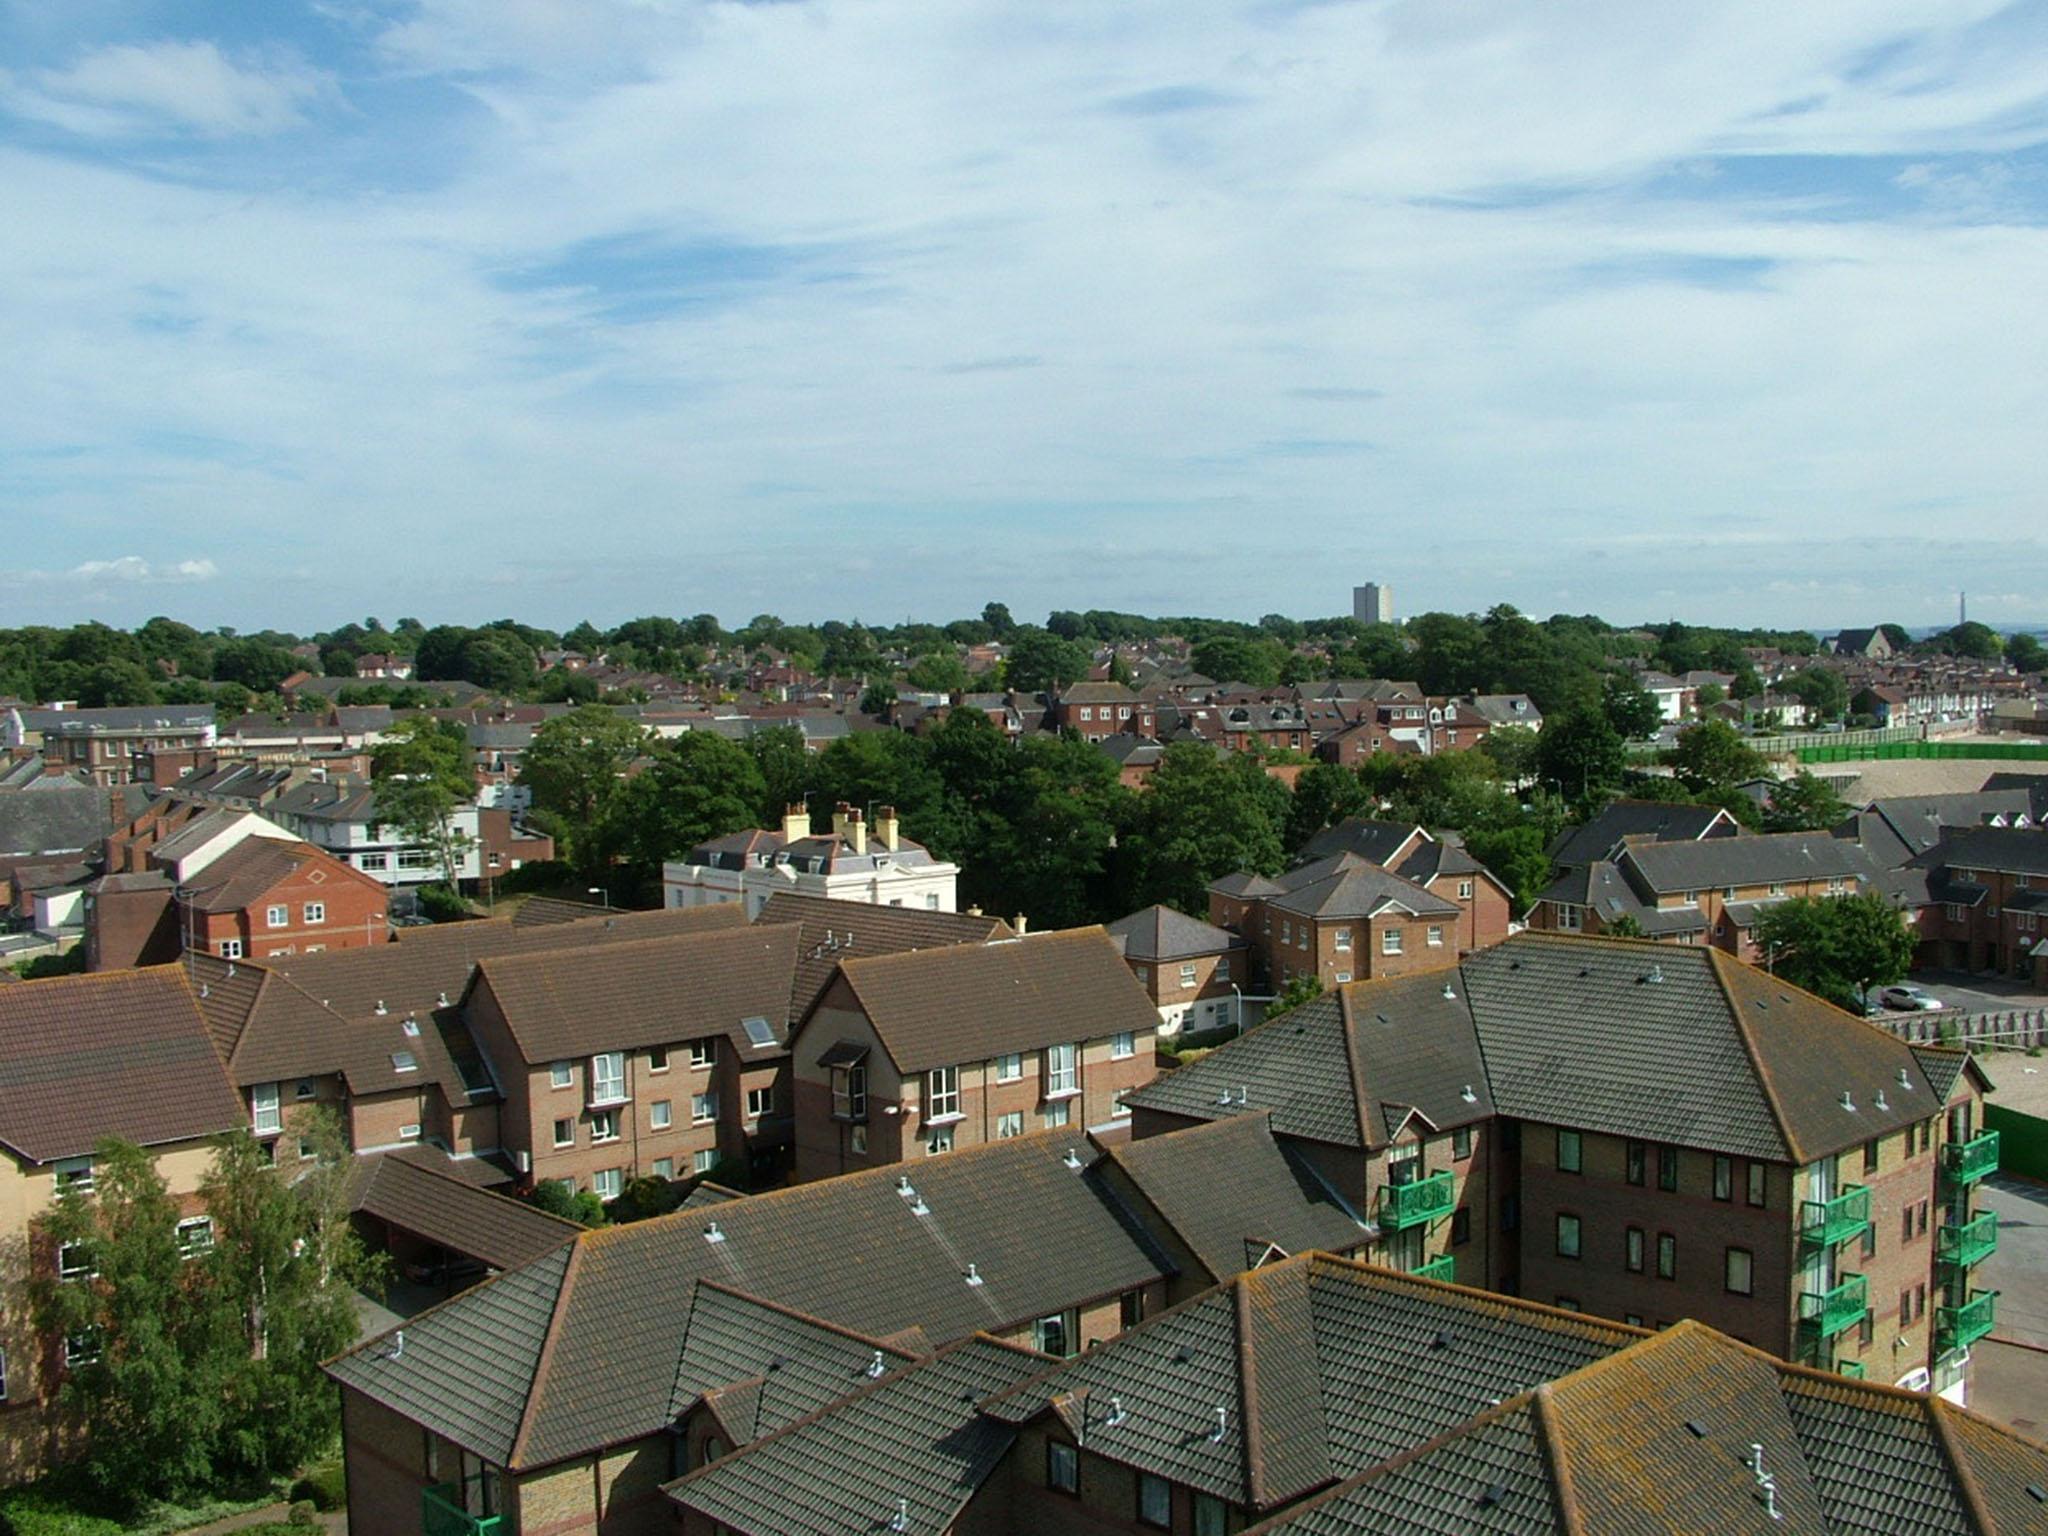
(1907, 998)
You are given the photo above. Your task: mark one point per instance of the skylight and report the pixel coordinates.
(404, 1061)
(759, 1032)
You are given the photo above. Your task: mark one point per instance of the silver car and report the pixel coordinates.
(1907, 998)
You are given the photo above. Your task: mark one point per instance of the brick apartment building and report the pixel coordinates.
(1193, 971)
(1098, 710)
(1988, 902)
(913, 1055)
(109, 746)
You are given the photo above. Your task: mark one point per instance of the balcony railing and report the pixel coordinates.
(1853, 1369)
(1960, 1327)
(1443, 1267)
(1826, 1313)
(1408, 1205)
(442, 1514)
(1965, 1162)
(1823, 1223)
(1971, 1243)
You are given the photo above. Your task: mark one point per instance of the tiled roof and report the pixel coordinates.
(1322, 1367)
(422, 1191)
(116, 1053)
(910, 1446)
(250, 870)
(1377, 842)
(540, 911)
(2009, 850)
(1344, 1068)
(53, 814)
(563, 1003)
(1633, 821)
(1160, 933)
(1725, 861)
(832, 931)
(1227, 1187)
(1346, 885)
(935, 1007)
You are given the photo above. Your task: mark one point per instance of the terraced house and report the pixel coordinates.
(1644, 1134)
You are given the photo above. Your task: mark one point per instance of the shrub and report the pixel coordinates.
(442, 904)
(302, 1514)
(324, 1487)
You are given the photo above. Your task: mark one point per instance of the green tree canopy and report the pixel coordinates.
(1821, 689)
(697, 787)
(1838, 947)
(1711, 755)
(1804, 803)
(1200, 818)
(1630, 708)
(1580, 755)
(576, 767)
(1042, 662)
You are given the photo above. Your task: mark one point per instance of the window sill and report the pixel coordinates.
(608, 1103)
(1062, 1093)
(953, 1119)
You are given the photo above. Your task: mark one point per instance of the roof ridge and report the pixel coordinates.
(1041, 940)
(1716, 960)
(799, 1315)
(530, 1410)
(765, 933)
(1959, 1468)
(1347, 1031)
(1251, 1439)
(1549, 1443)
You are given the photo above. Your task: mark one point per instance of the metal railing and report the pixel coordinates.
(1965, 1162)
(1971, 1243)
(1442, 1267)
(1827, 1313)
(1960, 1327)
(1427, 1199)
(1823, 1223)
(442, 1514)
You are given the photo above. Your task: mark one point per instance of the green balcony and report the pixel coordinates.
(1965, 1162)
(1410, 1205)
(1442, 1267)
(442, 1514)
(1823, 1314)
(1960, 1327)
(1853, 1369)
(1971, 1243)
(1824, 1223)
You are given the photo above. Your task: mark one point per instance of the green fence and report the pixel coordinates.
(1881, 751)
(2022, 1141)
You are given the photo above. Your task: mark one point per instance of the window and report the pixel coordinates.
(1667, 1256)
(850, 1093)
(1464, 890)
(606, 1183)
(1567, 1304)
(1051, 1335)
(230, 949)
(1342, 976)
(304, 1089)
(1390, 941)
(608, 1078)
(1724, 1177)
(1009, 1068)
(409, 1132)
(664, 1167)
(1632, 1250)
(1570, 1152)
(1223, 969)
(1062, 1467)
(1187, 973)
(938, 1139)
(1633, 1319)
(942, 1094)
(1638, 1160)
(1119, 1106)
(75, 1173)
(704, 1053)
(657, 1059)
(1461, 1226)
(1056, 1114)
(1130, 1309)
(760, 1101)
(316, 912)
(1870, 1155)
(264, 1116)
(404, 1061)
(565, 1132)
(1923, 1218)
(1667, 1168)
(661, 1115)
(1737, 1272)
(74, 1261)
(1009, 1124)
(277, 917)
(1122, 1045)
(561, 1075)
(1567, 917)
(703, 1108)
(1757, 1175)
(1436, 936)
(195, 1236)
(1343, 939)
(604, 1125)
(760, 1033)
(1062, 1070)
(1208, 1515)
(1461, 1143)
(703, 1160)
(1155, 1501)
(82, 1348)
(1567, 1236)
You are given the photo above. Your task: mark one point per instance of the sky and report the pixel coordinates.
(884, 309)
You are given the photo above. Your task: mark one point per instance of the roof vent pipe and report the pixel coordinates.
(1468, 1095)
(875, 1366)
(1222, 1425)
(1878, 1102)
(900, 1521)
(712, 1234)
(381, 1010)
(1450, 995)
(1905, 1080)
(1848, 1102)
(973, 1275)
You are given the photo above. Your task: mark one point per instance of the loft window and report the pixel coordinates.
(704, 1053)
(657, 1059)
(316, 912)
(850, 1093)
(404, 1061)
(1122, 1045)
(1062, 1467)
(264, 1116)
(74, 1173)
(760, 1033)
(277, 917)
(561, 1075)
(1570, 1152)
(1011, 1067)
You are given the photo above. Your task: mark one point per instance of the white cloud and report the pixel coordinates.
(133, 568)
(177, 87)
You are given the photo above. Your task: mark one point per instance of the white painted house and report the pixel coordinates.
(846, 864)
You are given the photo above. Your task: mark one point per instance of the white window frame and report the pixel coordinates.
(850, 1092)
(1390, 941)
(266, 1112)
(1464, 890)
(664, 1167)
(608, 1078)
(942, 1094)
(760, 1101)
(279, 916)
(1010, 1068)
(1568, 920)
(938, 1139)
(604, 1126)
(607, 1183)
(704, 1053)
(1436, 935)
(657, 1058)
(1009, 1124)
(1342, 941)
(195, 1236)
(704, 1108)
(661, 1114)
(1062, 1070)
(703, 1160)
(556, 1131)
(78, 1269)
(314, 912)
(73, 1173)
(561, 1074)
(231, 949)
(1059, 1113)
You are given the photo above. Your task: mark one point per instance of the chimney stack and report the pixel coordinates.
(856, 831)
(796, 822)
(885, 826)
(1021, 924)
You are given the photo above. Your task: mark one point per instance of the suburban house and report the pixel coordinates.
(1096, 710)
(846, 864)
(108, 746)
(1193, 971)
(1988, 901)
(1622, 822)
(341, 817)
(909, 1056)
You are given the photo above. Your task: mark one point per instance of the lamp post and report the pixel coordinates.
(605, 892)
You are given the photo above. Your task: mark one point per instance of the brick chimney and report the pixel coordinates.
(796, 822)
(885, 826)
(856, 831)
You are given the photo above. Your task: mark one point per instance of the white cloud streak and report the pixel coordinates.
(132, 89)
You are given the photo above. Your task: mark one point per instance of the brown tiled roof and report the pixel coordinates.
(248, 872)
(936, 1007)
(423, 1192)
(541, 910)
(559, 1004)
(833, 931)
(117, 1053)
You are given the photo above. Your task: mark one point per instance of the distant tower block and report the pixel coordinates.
(1373, 603)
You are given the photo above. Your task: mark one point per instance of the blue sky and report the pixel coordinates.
(590, 308)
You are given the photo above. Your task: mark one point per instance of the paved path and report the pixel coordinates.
(2019, 1270)
(336, 1523)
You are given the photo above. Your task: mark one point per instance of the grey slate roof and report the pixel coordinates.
(1346, 885)
(2009, 850)
(1634, 821)
(911, 1444)
(1725, 861)
(1377, 842)
(1160, 933)
(54, 813)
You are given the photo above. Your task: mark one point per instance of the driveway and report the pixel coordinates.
(2019, 1270)
(1968, 993)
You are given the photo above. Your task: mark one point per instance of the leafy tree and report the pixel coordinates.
(1838, 947)
(1708, 695)
(1042, 662)
(571, 1204)
(576, 766)
(997, 617)
(697, 787)
(1300, 989)
(2025, 652)
(1045, 833)
(112, 684)
(644, 1197)
(166, 640)
(1512, 750)
(940, 672)
(426, 748)
(1804, 803)
(1200, 818)
(162, 1339)
(1324, 794)
(255, 665)
(1630, 708)
(1978, 641)
(1380, 650)
(1711, 755)
(1896, 634)
(1625, 926)
(1517, 858)
(877, 697)
(1451, 653)
(499, 660)
(337, 661)
(1580, 754)
(1232, 658)
(1747, 684)
(876, 768)
(439, 656)
(422, 778)
(1820, 689)
(561, 686)
(786, 771)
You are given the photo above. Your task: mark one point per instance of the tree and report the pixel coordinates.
(1450, 653)
(997, 617)
(150, 1341)
(697, 787)
(2025, 652)
(786, 770)
(255, 665)
(1896, 634)
(1626, 926)
(940, 672)
(1513, 751)
(1200, 818)
(1820, 689)
(498, 659)
(422, 776)
(575, 766)
(1837, 947)
(571, 1204)
(1979, 641)
(439, 654)
(1708, 695)
(1324, 794)
(1301, 989)
(1235, 659)
(1630, 708)
(1711, 755)
(1042, 662)
(1804, 803)
(1580, 754)
(1517, 859)
(1044, 832)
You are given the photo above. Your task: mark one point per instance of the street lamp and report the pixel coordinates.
(599, 890)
